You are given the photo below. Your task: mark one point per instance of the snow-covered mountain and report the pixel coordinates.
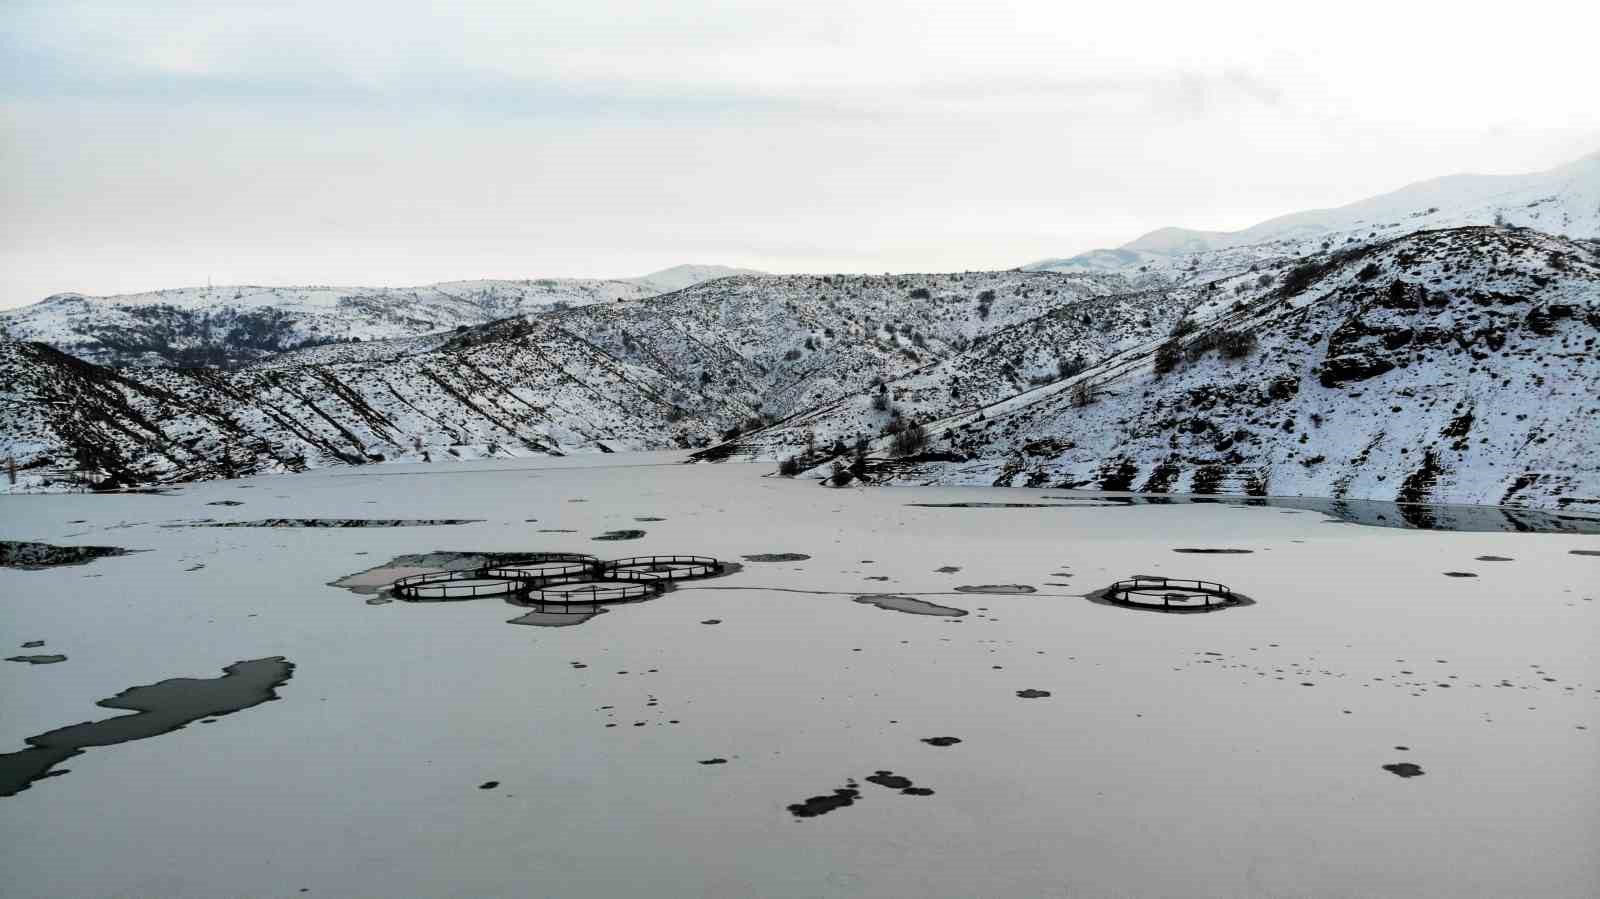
(1563, 200)
(1358, 353)
(670, 371)
(1448, 366)
(229, 326)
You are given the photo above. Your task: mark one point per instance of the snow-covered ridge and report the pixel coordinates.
(1563, 200)
(1448, 366)
(239, 324)
(675, 370)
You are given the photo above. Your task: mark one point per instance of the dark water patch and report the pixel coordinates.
(1495, 559)
(162, 708)
(776, 557)
(555, 619)
(1584, 552)
(991, 505)
(1033, 694)
(712, 621)
(1004, 589)
(557, 531)
(1404, 769)
(1459, 574)
(226, 502)
(620, 535)
(1207, 551)
(648, 518)
(30, 556)
(376, 580)
(941, 741)
(718, 761)
(379, 601)
(33, 644)
(875, 577)
(333, 523)
(49, 659)
(893, 781)
(948, 569)
(822, 805)
(1377, 513)
(489, 785)
(909, 605)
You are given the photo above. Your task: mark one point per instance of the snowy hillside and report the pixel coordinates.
(672, 371)
(1457, 365)
(1447, 366)
(1564, 200)
(234, 325)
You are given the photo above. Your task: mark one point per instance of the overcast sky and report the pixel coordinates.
(155, 144)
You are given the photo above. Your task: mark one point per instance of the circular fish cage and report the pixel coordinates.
(1172, 594)
(546, 566)
(446, 586)
(587, 594)
(661, 568)
(568, 582)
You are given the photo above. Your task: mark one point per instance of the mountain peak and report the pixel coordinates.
(1562, 200)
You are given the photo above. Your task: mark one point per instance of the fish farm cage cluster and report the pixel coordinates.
(568, 582)
(1172, 594)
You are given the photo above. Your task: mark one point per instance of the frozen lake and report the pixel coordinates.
(657, 748)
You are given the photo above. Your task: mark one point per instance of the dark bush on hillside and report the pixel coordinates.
(911, 440)
(1183, 328)
(1168, 356)
(1199, 346)
(1300, 277)
(1083, 394)
(791, 356)
(1368, 272)
(1236, 344)
(986, 296)
(789, 467)
(920, 293)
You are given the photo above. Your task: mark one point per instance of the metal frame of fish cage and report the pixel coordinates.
(1160, 593)
(542, 580)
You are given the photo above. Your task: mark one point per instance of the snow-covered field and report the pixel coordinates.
(1236, 753)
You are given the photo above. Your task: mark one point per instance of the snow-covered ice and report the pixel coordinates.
(1257, 751)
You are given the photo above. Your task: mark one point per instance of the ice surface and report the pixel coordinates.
(1212, 755)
